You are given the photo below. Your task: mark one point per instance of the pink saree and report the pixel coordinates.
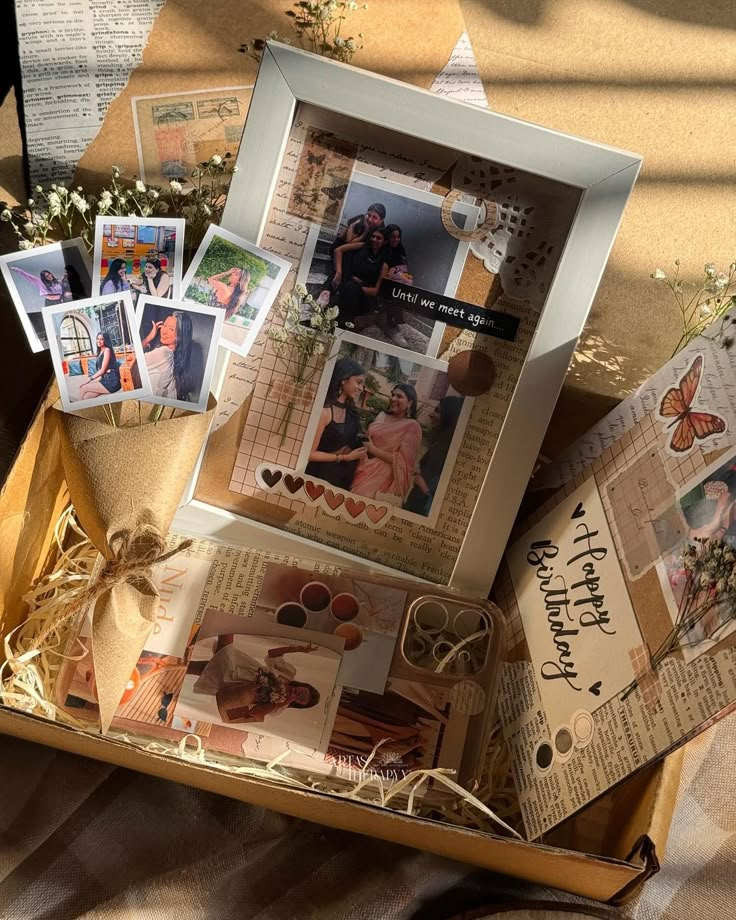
(374, 475)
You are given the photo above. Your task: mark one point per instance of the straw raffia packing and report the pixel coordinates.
(36, 650)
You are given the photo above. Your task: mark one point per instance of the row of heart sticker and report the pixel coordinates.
(272, 478)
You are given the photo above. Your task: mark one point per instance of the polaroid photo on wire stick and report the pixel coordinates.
(96, 351)
(179, 349)
(385, 425)
(43, 277)
(239, 279)
(142, 255)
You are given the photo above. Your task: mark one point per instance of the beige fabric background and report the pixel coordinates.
(654, 76)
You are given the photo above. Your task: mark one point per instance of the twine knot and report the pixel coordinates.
(134, 553)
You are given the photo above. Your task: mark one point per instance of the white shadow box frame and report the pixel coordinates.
(605, 177)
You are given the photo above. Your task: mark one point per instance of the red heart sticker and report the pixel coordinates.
(333, 499)
(354, 508)
(313, 490)
(376, 514)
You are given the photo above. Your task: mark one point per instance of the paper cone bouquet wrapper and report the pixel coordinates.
(125, 483)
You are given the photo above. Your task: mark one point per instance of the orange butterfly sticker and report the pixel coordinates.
(677, 404)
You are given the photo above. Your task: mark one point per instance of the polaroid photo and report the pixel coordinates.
(263, 682)
(237, 278)
(179, 348)
(96, 351)
(385, 425)
(392, 231)
(43, 277)
(142, 255)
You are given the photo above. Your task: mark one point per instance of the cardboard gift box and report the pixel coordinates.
(605, 853)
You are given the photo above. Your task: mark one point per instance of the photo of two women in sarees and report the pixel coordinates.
(382, 438)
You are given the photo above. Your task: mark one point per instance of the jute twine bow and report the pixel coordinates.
(134, 554)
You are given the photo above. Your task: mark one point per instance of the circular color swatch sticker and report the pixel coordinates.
(583, 727)
(471, 373)
(468, 697)
(543, 756)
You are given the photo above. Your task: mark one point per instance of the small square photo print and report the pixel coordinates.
(386, 232)
(385, 425)
(43, 277)
(142, 255)
(237, 278)
(96, 351)
(179, 349)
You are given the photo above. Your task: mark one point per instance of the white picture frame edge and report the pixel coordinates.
(404, 354)
(56, 357)
(10, 257)
(178, 222)
(209, 366)
(283, 266)
(605, 175)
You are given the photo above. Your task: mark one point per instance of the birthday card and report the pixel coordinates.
(620, 591)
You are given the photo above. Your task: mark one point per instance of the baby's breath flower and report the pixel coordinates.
(28, 228)
(139, 186)
(215, 160)
(6, 215)
(31, 202)
(39, 188)
(79, 203)
(153, 193)
(175, 186)
(25, 244)
(658, 274)
(116, 172)
(710, 269)
(300, 290)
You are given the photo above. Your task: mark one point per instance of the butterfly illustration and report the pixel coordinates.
(677, 404)
(314, 159)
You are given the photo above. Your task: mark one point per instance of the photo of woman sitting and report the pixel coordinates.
(231, 289)
(153, 281)
(338, 441)
(357, 295)
(106, 378)
(116, 279)
(394, 439)
(355, 237)
(168, 353)
(427, 475)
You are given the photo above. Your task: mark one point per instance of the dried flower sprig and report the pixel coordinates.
(308, 332)
(317, 25)
(703, 303)
(59, 213)
(709, 567)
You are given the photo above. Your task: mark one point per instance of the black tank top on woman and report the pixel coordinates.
(336, 437)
